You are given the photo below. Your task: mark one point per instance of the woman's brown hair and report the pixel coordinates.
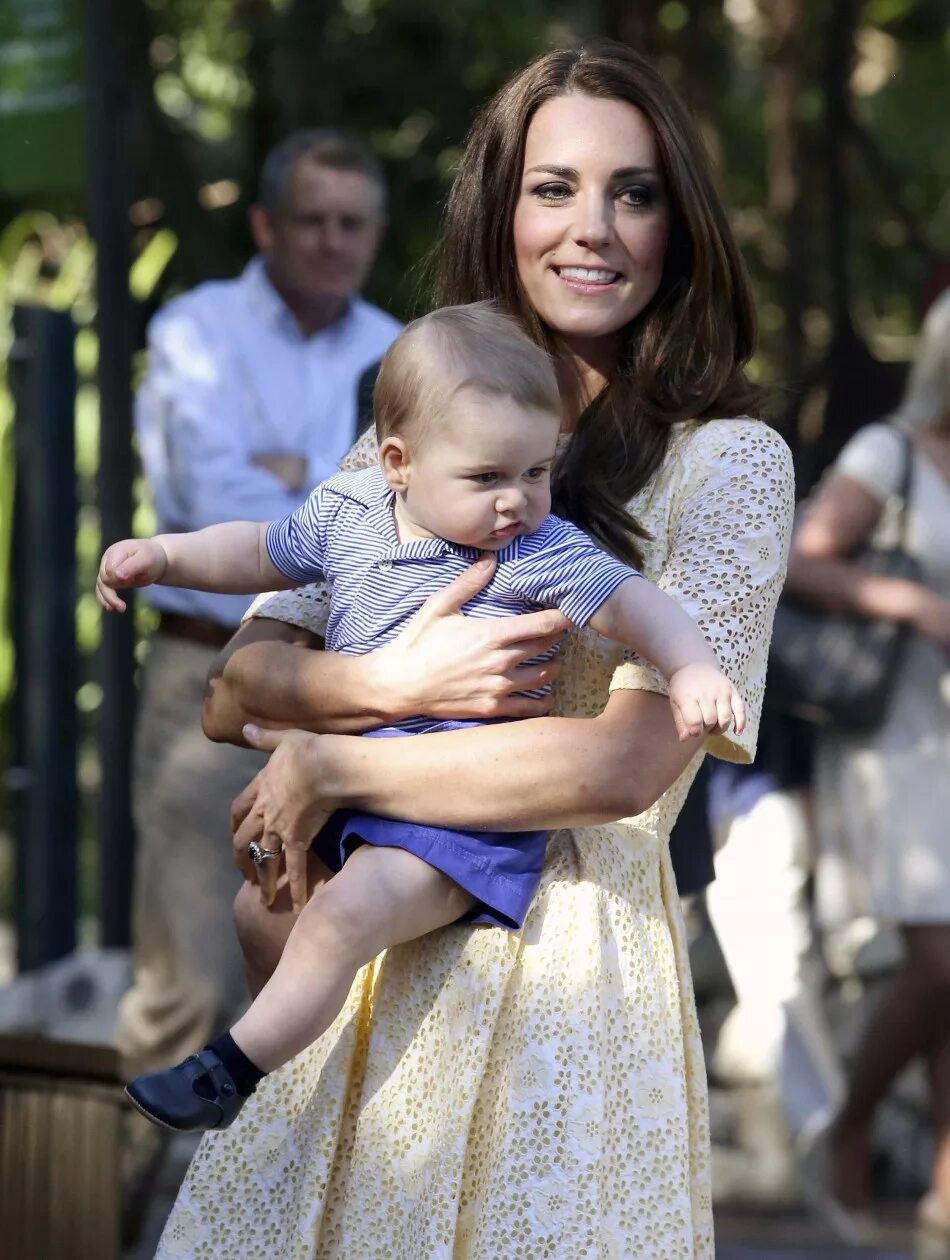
(685, 352)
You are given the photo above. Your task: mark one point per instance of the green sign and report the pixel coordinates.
(41, 96)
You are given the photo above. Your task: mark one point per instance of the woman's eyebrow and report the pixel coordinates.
(625, 172)
(568, 172)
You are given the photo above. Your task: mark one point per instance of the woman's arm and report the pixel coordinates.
(518, 776)
(443, 664)
(544, 773)
(842, 516)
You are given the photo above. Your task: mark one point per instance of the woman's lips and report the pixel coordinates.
(587, 279)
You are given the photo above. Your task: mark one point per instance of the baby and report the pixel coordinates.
(468, 415)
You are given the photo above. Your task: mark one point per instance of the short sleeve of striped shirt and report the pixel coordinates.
(559, 567)
(296, 544)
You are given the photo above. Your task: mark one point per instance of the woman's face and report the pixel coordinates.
(592, 219)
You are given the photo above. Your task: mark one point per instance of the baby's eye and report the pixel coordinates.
(535, 474)
(484, 479)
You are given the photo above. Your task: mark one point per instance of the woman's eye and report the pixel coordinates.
(637, 196)
(552, 192)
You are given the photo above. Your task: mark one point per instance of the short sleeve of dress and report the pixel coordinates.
(874, 458)
(730, 491)
(309, 606)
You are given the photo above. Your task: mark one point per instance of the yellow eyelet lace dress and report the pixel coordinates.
(487, 1095)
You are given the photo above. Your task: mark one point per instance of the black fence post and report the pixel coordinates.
(43, 776)
(109, 199)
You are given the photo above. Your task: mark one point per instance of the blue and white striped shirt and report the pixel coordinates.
(346, 534)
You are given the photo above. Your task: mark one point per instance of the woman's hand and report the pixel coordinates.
(932, 619)
(447, 665)
(282, 808)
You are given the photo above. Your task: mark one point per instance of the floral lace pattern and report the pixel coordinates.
(538, 1094)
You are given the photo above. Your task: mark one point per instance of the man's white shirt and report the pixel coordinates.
(231, 376)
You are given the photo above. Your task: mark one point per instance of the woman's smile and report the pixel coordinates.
(591, 281)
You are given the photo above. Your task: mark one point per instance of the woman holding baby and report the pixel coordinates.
(541, 1092)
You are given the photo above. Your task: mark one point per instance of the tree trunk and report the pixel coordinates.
(783, 80)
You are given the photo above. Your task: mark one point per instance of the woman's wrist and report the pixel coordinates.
(913, 603)
(334, 764)
(379, 689)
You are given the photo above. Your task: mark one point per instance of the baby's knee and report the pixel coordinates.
(330, 928)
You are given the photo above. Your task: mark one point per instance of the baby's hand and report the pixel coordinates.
(704, 701)
(134, 562)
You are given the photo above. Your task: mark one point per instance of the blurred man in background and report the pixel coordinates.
(249, 401)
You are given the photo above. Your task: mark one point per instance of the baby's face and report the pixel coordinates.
(481, 475)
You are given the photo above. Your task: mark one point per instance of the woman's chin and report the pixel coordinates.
(586, 325)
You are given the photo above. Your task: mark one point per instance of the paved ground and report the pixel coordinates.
(792, 1236)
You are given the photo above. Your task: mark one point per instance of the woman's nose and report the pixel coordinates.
(592, 227)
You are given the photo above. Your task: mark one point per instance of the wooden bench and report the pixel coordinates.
(61, 1108)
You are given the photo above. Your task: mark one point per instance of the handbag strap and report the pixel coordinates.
(904, 489)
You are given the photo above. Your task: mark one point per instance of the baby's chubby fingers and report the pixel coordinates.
(107, 597)
(709, 708)
(687, 718)
(132, 562)
(738, 712)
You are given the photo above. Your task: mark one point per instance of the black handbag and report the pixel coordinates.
(839, 670)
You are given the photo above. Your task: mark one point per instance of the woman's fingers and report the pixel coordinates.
(262, 738)
(246, 825)
(450, 601)
(296, 863)
(268, 874)
(531, 633)
(242, 805)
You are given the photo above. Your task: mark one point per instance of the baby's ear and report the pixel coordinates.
(395, 463)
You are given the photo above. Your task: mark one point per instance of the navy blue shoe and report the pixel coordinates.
(197, 1094)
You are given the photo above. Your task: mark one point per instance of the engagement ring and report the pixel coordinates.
(258, 854)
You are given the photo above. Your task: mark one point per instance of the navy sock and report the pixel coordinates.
(245, 1074)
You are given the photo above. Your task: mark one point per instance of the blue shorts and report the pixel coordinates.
(500, 869)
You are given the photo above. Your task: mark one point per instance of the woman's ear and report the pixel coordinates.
(395, 463)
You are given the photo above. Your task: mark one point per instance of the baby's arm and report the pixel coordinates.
(641, 616)
(230, 559)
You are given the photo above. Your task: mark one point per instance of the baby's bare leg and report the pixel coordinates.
(380, 898)
(263, 930)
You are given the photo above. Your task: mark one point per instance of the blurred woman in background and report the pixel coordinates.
(883, 799)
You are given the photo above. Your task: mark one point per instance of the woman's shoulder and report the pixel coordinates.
(875, 458)
(725, 443)
(880, 440)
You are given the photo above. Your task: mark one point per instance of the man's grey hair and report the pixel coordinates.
(325, 147)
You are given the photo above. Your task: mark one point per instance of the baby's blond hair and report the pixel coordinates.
(474, 347)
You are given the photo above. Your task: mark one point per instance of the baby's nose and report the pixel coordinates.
(511, 500)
